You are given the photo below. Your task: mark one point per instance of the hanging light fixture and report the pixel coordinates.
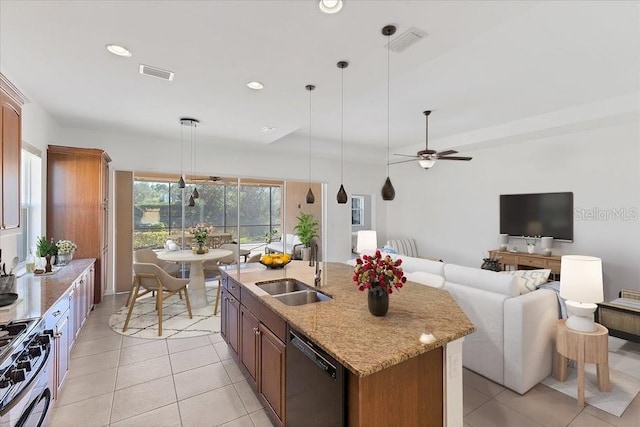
(388, 192)
(181, 183)
(192, 123)
(310, 197)
(342, 195)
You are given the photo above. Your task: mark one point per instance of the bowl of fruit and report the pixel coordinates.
(275, 260)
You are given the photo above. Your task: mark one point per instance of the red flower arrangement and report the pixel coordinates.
(378, 273)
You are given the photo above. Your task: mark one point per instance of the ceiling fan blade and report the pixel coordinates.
(455, 158)
(446, 153)
(406, 155)
(402, 161)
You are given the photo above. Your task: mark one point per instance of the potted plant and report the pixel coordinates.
(306, 229)
(66, 248)
(46, 249)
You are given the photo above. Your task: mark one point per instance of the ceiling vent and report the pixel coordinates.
(148, 70)
(406, 39)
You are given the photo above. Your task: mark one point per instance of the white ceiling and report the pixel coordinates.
(483, 64)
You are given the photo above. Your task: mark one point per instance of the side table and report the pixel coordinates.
(583, 347)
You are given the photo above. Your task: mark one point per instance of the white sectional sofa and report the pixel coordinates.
(513, 342)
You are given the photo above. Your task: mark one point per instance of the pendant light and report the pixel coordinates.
(342, 195)
(388, 192)
(310, 197)
(181, 183)
(192, 123)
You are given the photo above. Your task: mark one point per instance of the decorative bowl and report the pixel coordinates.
(275, 266)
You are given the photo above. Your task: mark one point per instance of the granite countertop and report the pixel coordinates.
(37, 294)
(343, 326)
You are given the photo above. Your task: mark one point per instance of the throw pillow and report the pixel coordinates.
(425, 278)
(529, 280)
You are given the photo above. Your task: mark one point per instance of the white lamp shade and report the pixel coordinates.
(546, 242)
(367, 240)
(581, 279)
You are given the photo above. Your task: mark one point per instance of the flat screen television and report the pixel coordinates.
(541, 214)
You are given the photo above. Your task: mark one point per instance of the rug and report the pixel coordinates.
(623, 389)
(175, 320)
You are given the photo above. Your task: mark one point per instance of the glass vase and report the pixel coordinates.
(378, 301)
(200, 250)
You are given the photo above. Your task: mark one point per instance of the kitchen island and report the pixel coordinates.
(392, 379)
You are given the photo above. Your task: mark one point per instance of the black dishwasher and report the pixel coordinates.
(316, 386)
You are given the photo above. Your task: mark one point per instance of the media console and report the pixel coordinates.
(526, 261)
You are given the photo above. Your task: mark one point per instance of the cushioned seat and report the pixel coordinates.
(292, 245)
(406, 247)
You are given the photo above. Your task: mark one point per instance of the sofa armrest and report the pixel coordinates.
(529, 328)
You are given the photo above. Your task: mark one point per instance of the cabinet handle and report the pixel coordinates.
(59, 335)
(233, 287)
(255, 330)
(56, 313)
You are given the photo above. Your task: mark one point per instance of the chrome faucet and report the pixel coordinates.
(313, 260)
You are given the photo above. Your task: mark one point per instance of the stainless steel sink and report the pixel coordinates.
(282, 286)
(302, 297)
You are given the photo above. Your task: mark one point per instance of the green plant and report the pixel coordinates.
(306, 228)
(45, 247)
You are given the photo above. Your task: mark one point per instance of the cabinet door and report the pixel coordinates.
(233, 316)
(249, 339)
(10, 144)
(271, 370)
(224, 312)
(62, 342)
(72, 314)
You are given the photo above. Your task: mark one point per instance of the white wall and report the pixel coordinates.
(453, 209)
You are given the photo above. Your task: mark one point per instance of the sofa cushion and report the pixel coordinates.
(404, 246)
(424, 278)
(529, 280)
(491, 281)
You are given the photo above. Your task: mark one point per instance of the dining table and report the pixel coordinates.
(197, 293)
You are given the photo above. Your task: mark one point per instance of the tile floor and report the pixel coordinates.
(123, 381)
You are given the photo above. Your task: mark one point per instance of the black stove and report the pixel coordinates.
(24, 351)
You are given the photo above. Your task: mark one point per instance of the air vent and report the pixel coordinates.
(148, 70)
(406, 39)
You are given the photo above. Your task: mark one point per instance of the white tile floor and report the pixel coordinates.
(122, 381)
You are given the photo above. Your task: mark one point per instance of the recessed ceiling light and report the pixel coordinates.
(267, 129)
(255, 85)
(330, 6)
(118, 50)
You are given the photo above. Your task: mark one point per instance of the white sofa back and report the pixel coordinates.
(490, 281)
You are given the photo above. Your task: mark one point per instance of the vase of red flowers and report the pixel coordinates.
(378, 275)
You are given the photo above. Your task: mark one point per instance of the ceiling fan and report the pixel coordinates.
(427, 158)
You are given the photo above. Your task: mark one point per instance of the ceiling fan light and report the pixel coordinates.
(342, 195)
(426, 163)
(310, 197)
(388, 192)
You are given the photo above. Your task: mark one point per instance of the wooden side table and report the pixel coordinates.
(583, 347)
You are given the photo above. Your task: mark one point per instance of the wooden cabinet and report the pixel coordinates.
(10, 147)
(250, 328)
(77, 203)
(256, 334)
(271, 368)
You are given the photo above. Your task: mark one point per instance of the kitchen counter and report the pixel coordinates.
(39, 293)
(343, 326)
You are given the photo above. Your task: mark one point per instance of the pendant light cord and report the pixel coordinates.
(342, 130)
(310, 138)
(388, 98)
(181, 151)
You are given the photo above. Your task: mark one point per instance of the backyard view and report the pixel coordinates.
(158, 210)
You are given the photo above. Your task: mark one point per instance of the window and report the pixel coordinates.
(357, 210)
(31, 197)
(158, 210)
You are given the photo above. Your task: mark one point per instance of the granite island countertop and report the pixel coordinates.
(38, 293)
(343, 326)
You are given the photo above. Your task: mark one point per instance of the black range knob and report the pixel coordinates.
(4, 383)
(45, 338)
(16, 375)
(24, 364)
(35, 351)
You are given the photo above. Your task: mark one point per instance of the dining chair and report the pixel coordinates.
(154, 279)
(212, 269)
(253, 258)
(149, 256)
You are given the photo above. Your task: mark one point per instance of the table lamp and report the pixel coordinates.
(581, 286)
(546, 243)
(367, 240)
(503, 241)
